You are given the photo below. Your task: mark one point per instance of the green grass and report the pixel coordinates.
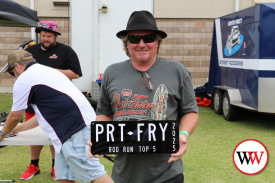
(209, 157)
(210, 148)
(5, 102)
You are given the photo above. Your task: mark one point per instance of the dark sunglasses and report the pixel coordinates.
(149, 84)
(9, 70)
(148, 38)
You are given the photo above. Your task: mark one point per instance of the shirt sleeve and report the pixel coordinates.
(72, 62)
(104, 106)
(188, 101)
(20, 96)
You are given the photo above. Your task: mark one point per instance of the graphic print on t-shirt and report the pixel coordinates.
(129, 106)
(54, 56)
(160, 101)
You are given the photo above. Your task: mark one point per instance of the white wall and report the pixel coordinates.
(93, 34)
(83, 33)
(115, 20)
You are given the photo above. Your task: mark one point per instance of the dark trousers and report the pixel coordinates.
(177, 179)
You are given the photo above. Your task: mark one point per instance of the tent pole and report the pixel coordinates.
(33, 36)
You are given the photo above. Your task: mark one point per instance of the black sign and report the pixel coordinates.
(113, 137)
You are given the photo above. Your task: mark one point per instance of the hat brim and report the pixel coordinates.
(122, 33)
(39, 29)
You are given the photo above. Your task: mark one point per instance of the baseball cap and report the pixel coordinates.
(16, 56)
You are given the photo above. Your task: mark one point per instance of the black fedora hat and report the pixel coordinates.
(141, 20)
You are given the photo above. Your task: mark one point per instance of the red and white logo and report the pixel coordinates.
(250, 157)
(126, 93)
(54, 56)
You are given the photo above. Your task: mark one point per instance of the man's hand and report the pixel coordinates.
(89, 150)
(188, 123)
(12, 120)
(16, 130)
(98, 118)
(182, 149)
(1, 138)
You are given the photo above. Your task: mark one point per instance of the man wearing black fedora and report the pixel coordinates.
(164, 85)
(62, 57)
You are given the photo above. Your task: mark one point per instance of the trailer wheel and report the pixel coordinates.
(217, 101)
(229, 111)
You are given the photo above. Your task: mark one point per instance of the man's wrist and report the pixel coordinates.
(2, 133)
(184, 132)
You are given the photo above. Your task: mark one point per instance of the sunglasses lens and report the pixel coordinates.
(11, 73)
(9, 70)
(149, 38)
(133, 39)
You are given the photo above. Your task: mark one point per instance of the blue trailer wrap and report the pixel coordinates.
(242, 64)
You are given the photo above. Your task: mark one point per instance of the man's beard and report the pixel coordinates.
(51, 45)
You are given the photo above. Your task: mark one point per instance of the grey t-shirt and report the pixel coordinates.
(125, 97)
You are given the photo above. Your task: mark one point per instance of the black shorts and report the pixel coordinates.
(177, 179)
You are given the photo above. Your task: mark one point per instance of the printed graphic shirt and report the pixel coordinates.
(125, 97)
(61, 109)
